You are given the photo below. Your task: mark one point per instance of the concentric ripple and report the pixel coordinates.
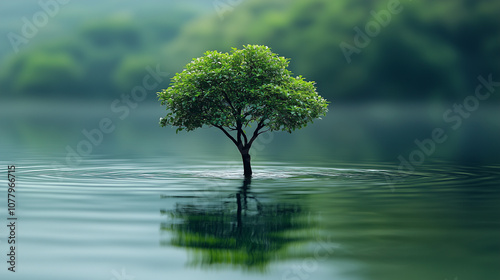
(127, 171)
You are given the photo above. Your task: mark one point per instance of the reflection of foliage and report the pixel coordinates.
(244, 232)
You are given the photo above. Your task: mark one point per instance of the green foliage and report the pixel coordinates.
(431, 50)
(117, 32)
(235, 89)
(48, 73)
(130, 72)
(103, 59)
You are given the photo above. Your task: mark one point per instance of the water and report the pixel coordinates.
(155, 218)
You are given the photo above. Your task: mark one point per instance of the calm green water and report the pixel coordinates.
(162, 219)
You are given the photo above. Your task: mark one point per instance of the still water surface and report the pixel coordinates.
(159, 219)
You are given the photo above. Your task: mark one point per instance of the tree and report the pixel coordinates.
(232, 91)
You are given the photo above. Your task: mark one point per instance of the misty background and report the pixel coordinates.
(64, 73)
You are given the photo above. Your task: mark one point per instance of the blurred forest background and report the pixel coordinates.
(395, 90)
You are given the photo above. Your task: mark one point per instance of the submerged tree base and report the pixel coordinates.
(247, 167)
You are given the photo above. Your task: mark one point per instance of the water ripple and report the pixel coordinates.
(133, 173)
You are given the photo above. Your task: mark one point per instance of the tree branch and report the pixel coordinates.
(245, 138)
(229, 102)
(240, 131)
(255, 133)
(263, 131)
(227, 134)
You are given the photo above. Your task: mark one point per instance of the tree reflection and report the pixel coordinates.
(238, 230)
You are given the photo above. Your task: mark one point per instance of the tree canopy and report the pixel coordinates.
(233, 90)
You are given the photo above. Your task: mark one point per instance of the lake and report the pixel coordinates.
(173, 218)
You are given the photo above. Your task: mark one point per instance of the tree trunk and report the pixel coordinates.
(247, 168)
